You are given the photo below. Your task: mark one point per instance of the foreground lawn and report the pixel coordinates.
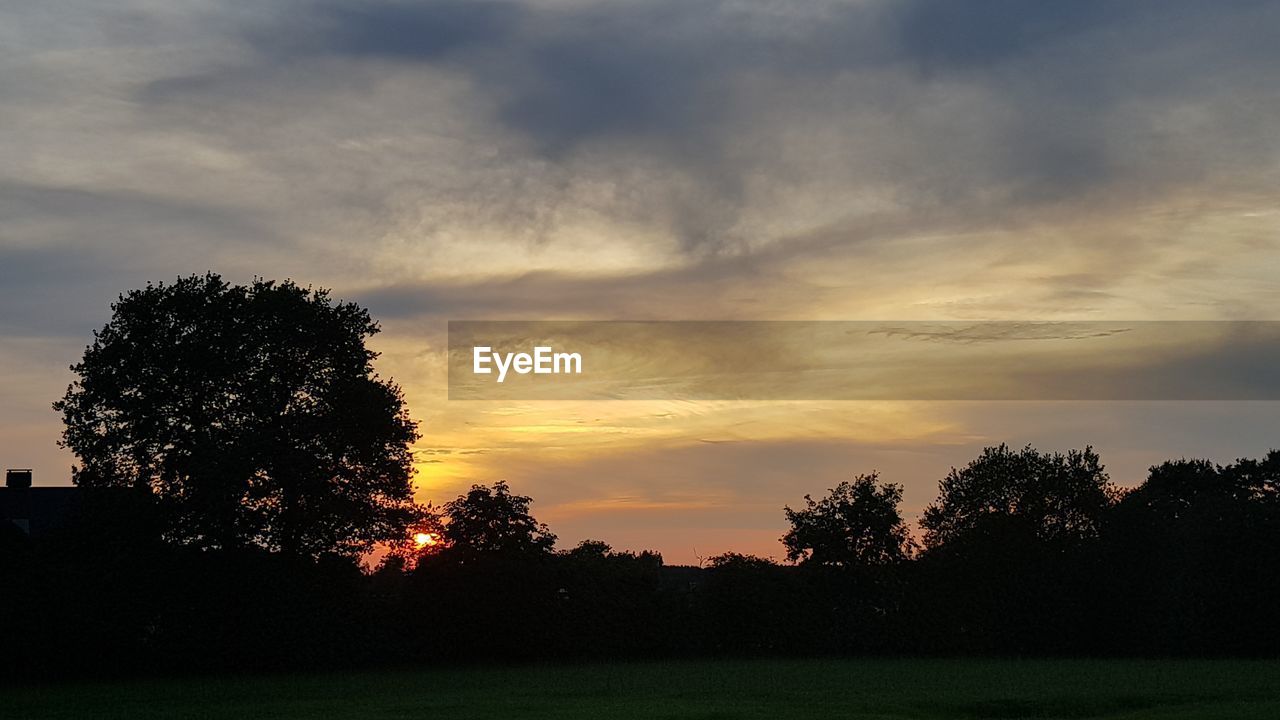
(1217, 689)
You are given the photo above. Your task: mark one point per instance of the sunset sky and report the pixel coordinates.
(667, 159)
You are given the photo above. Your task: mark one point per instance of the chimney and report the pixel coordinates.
(18, 479)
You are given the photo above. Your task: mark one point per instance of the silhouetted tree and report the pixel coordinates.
(1055, 496)
(1187, 489)
(1259, 478)
(494, 581)
(608, 602)
(753, 605)
(590, 550)
(856, 524)
(251, 412)
(1011, 545)
(491, 520)
(1192, 554)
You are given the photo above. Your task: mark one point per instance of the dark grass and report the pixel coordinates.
(719, 690)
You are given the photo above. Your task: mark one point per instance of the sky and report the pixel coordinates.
(887, 160)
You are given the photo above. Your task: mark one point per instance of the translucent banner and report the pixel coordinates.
(863, 360)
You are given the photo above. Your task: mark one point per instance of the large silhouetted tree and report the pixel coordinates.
(856, 524)
(1054, 496)
(251, 412)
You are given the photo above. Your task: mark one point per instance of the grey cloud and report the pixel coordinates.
(66, 253)
(423, 31)
(1085, 89)
(567, 75)
(110, 209)
(699, 118)
(993, 103)
(979, 33)
(44, 292)
(576, 71)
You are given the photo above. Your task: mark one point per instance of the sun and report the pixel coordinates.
(426, 539)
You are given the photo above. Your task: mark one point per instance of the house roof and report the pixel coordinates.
(43, 508)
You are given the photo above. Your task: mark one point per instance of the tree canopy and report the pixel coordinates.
(856, 524)
(1056, 496)
(492, 519)
(251, 412)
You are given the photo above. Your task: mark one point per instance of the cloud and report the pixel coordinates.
(563, 74)
(947, 35)
(423, 31)
(952, 36)
(856, 159)
(67, 252)
(123, 215)
(698, 114)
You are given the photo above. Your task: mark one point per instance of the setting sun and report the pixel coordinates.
(425, 539)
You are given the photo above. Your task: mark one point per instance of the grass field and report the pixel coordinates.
(1220, 690)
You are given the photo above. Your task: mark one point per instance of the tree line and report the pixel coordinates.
(1023, 552)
